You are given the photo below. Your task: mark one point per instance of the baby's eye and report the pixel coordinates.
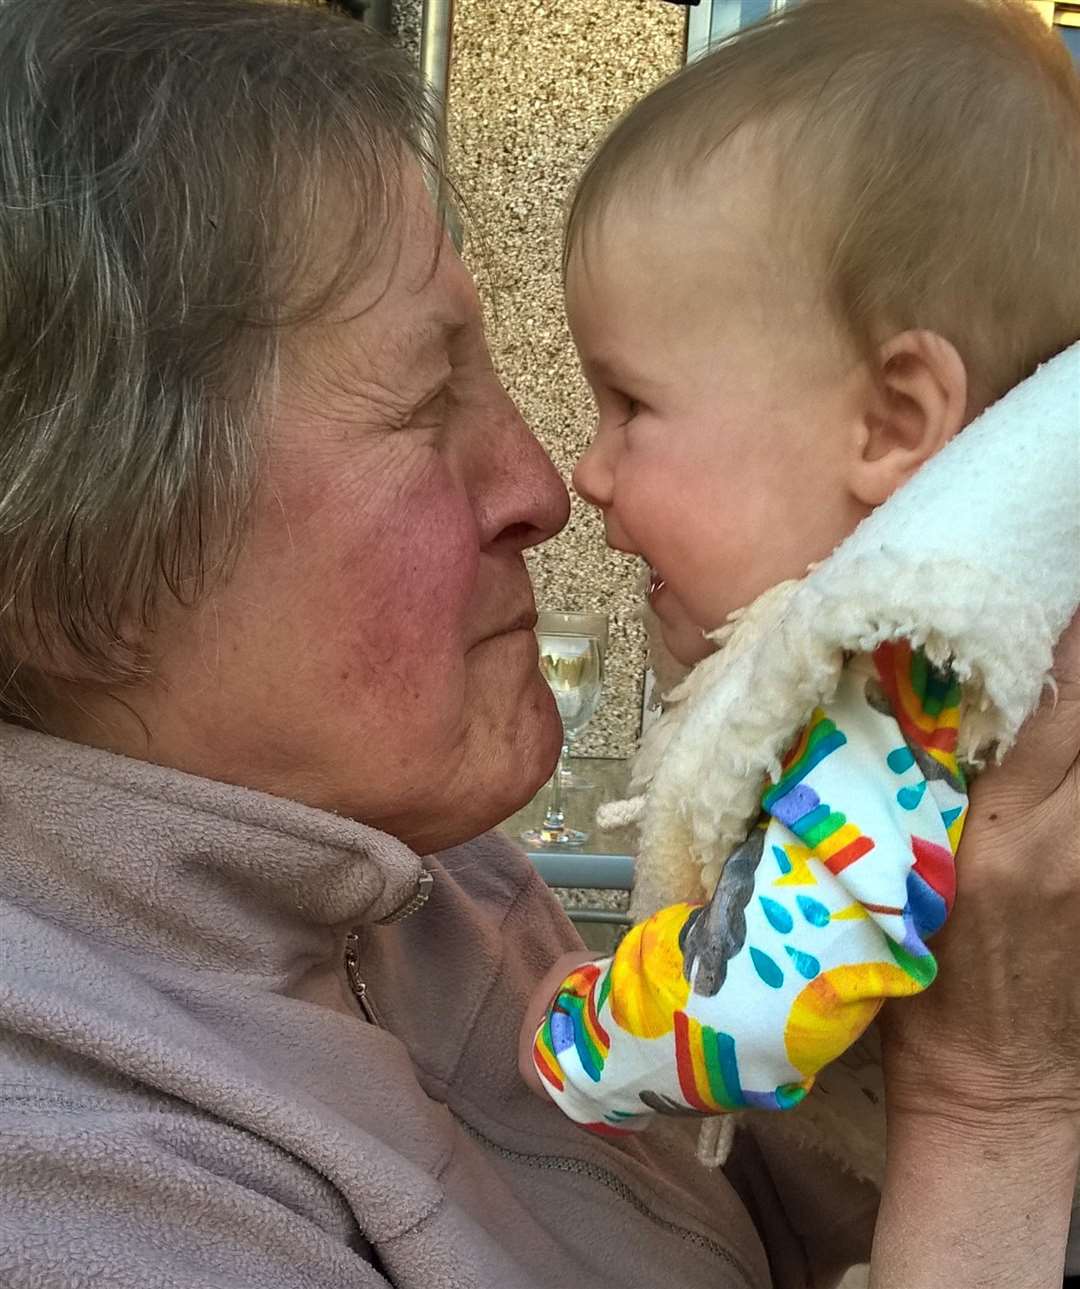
(632, 408)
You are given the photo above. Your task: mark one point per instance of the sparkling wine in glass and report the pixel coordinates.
(596, 626)
(571, 649)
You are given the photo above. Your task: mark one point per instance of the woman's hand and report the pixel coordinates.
(1000, 1029)
(982, 1083)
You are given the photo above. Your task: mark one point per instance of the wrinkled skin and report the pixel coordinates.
(372, 652)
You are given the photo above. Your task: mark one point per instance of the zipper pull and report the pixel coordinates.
(414, 903)
(356, 984)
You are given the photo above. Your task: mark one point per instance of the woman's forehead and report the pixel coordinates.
(403, 313)
(407, 262)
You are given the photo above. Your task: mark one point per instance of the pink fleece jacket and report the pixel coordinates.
(190, 1096)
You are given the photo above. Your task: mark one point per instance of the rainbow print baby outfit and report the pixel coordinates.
(819, 916)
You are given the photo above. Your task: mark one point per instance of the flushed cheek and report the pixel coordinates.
(659, 519)
(410, 577)
(695, 540)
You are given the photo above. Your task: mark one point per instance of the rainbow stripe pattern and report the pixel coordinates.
(795, 804)
(925, 703)
(573, 1024)
(708, 1072)
(931, 888)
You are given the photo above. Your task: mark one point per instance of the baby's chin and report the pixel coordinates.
(685, 642)
(673, 632)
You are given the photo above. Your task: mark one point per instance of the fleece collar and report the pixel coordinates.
(197, 872)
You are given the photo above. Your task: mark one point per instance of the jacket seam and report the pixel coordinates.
(420, 1222)
(624, 1169)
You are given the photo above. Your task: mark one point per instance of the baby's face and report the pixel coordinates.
(725, 401)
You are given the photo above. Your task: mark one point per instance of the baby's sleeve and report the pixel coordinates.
(822, 914)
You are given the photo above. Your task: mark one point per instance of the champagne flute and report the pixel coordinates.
(596, 625)
(572, 661)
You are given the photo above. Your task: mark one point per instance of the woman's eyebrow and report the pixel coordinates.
(423, 352)
(433, 336)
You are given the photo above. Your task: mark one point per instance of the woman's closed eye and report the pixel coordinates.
(431, 413)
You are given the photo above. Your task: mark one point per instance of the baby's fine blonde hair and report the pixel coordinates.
(929, 166)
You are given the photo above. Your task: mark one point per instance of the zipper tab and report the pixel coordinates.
(356, 984)
(414, 903)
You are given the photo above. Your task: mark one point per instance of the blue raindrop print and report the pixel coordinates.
(909, 798)
(767, 969)
(805, 963)
(949, 817)
(813, 910)
(779, 918)
(782, 859)
(900, 760)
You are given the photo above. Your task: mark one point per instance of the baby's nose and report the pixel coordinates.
(593, 474)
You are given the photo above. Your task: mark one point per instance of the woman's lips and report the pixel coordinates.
(657, 583)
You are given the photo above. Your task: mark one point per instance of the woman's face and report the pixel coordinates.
(373, 652)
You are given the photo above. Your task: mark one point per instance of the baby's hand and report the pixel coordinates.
(534, 1014)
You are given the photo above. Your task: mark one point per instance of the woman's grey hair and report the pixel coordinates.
(171, 174)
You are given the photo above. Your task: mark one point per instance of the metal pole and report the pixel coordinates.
(436, 39)
(436, 34)
(602, 917)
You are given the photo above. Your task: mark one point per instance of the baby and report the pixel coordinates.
(794, 273)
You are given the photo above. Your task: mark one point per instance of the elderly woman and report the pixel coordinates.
(265, 629)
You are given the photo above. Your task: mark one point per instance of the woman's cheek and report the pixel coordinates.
(417, 582)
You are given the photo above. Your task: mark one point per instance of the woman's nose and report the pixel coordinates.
(521, 501)
(594, 474)
(548, 502)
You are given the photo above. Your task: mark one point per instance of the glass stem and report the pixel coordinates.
(555, 819)
(565, 773)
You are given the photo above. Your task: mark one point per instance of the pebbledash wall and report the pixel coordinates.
(533, 84)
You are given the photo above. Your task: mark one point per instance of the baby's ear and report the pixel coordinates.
(919, 402)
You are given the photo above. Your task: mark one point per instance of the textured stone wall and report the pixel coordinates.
(533, 83)
(405, 16)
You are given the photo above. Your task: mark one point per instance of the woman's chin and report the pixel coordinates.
(529, 750)
(549, 736)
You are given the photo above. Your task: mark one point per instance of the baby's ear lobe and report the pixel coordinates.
(920, 402)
